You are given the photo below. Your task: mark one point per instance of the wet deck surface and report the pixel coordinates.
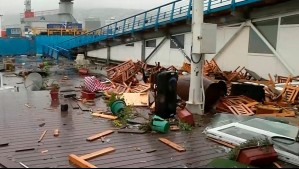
(20, 126)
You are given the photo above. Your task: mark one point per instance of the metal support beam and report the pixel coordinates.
(229, 42)
(156, 49)
(196, 101)
(272, 49)
(143, 51)
(108, 54)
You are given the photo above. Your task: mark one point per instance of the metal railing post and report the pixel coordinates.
(172, 12)
(157, 19)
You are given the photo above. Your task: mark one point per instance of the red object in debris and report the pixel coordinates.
(54, 95)
(29, 14)
(257, 156)
(3, 33)
(185, 116)
(88, 95)
(83, 71)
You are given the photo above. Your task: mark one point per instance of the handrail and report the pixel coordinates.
(153, 18)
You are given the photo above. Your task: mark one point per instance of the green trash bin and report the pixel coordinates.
(160, 125)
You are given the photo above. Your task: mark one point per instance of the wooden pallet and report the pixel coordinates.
(241, 109)
(141, 88)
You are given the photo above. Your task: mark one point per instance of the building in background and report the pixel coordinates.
(92, 23)
(38, 21)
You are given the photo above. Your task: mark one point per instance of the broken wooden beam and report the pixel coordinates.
(82, 161)
(98, 153)
(173, 145)
(97, 136)
(42, 136)
(110, 117)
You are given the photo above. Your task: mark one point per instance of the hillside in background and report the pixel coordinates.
(81, 14)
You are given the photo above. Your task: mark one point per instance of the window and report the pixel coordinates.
(15, 31)
(177, 42)
(130, 44)
(151, 43)
(268, 29)
(290, 20)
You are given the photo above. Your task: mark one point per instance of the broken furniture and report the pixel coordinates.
(82, 160)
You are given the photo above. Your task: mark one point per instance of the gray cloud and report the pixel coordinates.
(17, 6)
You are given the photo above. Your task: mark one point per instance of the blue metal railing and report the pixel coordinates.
(154, 18)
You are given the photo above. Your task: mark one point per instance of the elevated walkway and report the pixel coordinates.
(171, 13)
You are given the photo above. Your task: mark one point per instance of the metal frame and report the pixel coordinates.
(139, 22)
(217, 134)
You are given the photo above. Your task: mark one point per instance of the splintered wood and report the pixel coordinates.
(238, 105)
(173, 145)
(42, 136)
(110, 117)
(82, 160)
(97, 136)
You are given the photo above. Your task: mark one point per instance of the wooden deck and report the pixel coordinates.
(21, 127)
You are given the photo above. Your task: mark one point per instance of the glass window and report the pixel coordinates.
(274, 127)
(177, 42)
(242, 133)
(151, 43)
(290, 20)
(268, 29)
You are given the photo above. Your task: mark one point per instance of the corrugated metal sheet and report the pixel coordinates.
(16, 46)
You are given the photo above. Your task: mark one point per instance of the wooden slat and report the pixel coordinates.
(42, 136)
(104, 116)
(97, 136)
(97, 154)
(83, 107)
(80, 162)
(173, 145)
(74, 104)
(221, 142)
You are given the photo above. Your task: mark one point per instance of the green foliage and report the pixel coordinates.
(255, 142)
(185, 126)
(126, 114)
(117, 123)
(113, 98)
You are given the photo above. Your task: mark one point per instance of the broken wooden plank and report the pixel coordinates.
(97, 136)
(110, 117)
(221, 142)
(42, 136)
(80, 162)
(132, 131)
(136, 99)
(74, 104)
(174, 128)
(26, 149)
(83, 107)
(277, 165)
(172, 144)
(56, 132)
(97, 154)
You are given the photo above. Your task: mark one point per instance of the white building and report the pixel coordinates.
(265, 42)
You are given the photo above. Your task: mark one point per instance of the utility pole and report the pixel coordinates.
(196, 92)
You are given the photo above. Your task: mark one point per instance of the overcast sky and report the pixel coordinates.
(17, 6)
